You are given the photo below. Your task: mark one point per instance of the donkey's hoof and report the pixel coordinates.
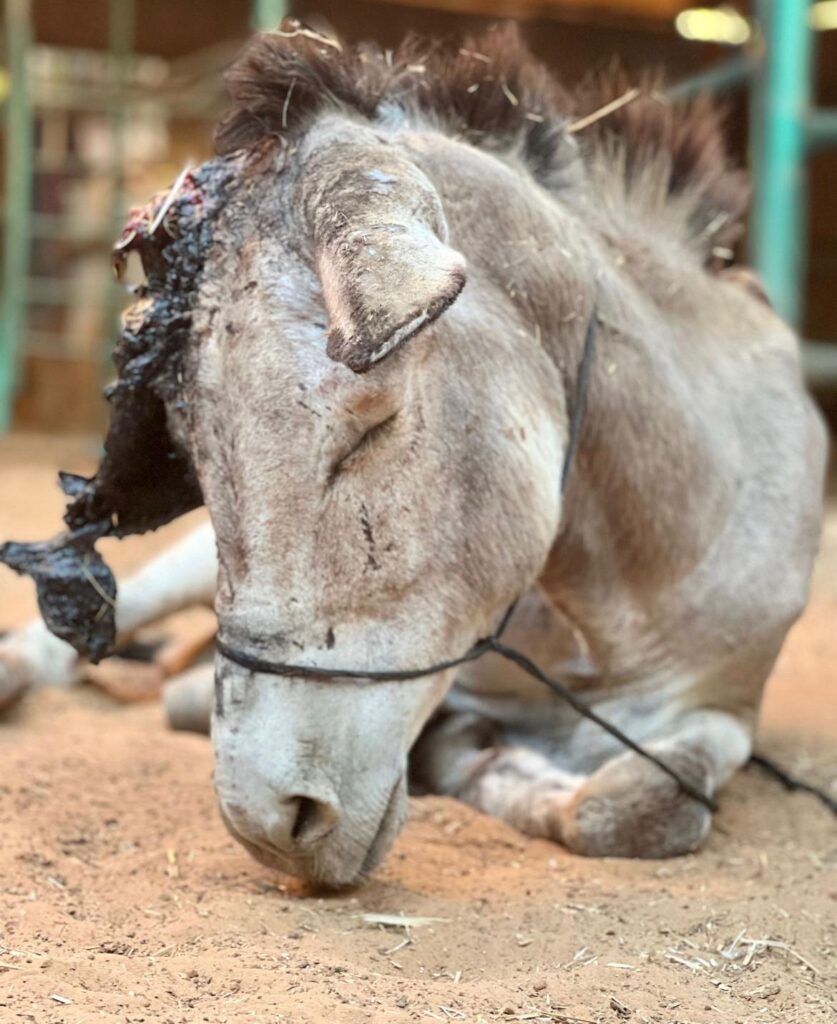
(630, 808)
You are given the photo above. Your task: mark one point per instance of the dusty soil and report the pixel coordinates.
(123, 900)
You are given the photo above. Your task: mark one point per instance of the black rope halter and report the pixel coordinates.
(493, 644)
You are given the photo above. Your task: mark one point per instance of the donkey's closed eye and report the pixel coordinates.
(361, 446)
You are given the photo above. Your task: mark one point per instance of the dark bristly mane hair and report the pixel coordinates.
(492, 92)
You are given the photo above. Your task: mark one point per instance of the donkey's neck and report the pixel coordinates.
(643, 502)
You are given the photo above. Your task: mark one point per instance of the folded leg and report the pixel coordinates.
(627, 807)
(181, 576)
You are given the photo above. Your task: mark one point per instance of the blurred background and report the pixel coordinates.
(104, 101)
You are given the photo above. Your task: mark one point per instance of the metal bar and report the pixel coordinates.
(121, 18)
(755, 118)
(268, 14)
(822, 128)
(819, 363)
(58, 225)
(55, 291)
(18, 202)
(73, 165)
(57, 345)
(120, 46)
(780, 197)
(722, 77)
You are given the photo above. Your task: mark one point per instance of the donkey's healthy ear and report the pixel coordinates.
(380, 242)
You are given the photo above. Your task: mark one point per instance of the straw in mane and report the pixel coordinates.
(491, 91)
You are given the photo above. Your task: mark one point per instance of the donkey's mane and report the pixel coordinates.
(492, 92)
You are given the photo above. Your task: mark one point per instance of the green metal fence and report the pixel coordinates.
(267, 14)
(786, 128)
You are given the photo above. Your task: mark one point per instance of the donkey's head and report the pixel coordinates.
(380, 487)
(367, 479)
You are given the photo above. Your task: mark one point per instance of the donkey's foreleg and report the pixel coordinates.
(630, 808)
(462, 754)
(188, 699)
(179, 577)
(626, 808)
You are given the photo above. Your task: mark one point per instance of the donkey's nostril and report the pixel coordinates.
(289, 825)
(306, 811)
(312, 819)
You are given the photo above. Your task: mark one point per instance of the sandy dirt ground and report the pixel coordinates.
(122, 899)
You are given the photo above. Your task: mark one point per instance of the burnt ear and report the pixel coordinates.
(380, 242)
(76, 590)
(144, 479)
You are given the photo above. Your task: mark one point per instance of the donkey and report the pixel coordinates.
(359, 345)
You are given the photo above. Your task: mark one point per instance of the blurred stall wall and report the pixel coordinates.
(121, 94)
(124, 93)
